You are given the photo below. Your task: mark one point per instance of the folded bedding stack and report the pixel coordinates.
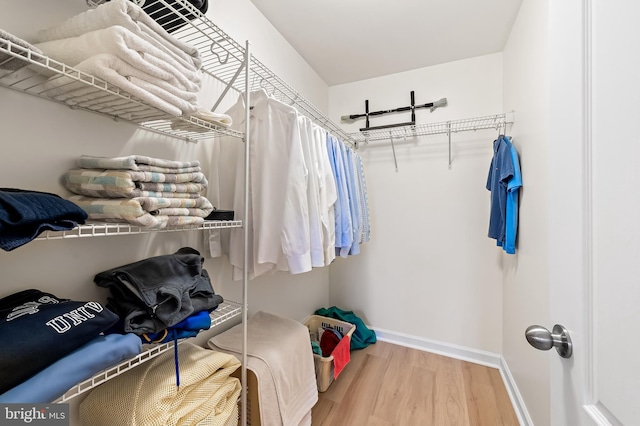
(143, 191)
(122, 45)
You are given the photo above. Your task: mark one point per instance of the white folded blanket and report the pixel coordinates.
(126, 45)
(119, 73)
(130, 16)
(278, 353)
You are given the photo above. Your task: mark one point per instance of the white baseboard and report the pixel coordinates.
(475, 356)
(514, 394)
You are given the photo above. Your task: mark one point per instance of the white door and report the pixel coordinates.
(595, 209)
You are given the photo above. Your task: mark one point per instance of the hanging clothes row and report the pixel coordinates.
(504, 181)
(307, 192)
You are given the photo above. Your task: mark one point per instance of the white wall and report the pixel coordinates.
(243, 21)
(526, 291)
(430, 270)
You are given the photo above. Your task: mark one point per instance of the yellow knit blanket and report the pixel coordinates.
(147, 395)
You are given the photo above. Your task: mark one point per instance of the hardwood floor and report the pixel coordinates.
(386, 384)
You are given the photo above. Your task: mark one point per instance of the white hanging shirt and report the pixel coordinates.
(328, 194)
(278, 220)
(313, 191)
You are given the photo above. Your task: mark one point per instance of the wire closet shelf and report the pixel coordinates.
(107, 229)
(223, 59)
(496, 121)
(112, 101)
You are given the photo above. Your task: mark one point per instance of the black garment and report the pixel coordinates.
(26, 214)
(159, 292)
(167, 18)
(37, 329)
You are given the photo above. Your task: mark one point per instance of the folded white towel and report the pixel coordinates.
(119, 73)
(130, 16)
(218, 119)
(126, 45)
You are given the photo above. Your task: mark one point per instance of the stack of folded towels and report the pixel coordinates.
(139, 190)
(122, 45)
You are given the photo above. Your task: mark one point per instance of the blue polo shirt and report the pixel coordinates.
(513, 189)
(500, 171)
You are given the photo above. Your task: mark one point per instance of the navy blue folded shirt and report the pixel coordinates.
(26, 214)
(37, 329)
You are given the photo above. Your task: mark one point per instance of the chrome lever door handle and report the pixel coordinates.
(543, 339)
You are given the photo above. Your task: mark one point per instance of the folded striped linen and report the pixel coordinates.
(129, 47)
(157, 93)
(138, 162)
(140, 193)
(200, 206)
(178, 188)
(130, 16)
(147, 395)
(130, 210)
(124, 183)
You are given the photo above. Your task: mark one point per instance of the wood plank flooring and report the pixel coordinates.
(390, 385)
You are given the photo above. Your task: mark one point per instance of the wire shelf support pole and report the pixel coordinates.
(245, 236)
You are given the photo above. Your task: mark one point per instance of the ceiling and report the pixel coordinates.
(352, 40)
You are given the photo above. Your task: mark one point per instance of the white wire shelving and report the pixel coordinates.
(107, 229)
(225, 312)
(495, 121)
(33, 78)
(223, 59)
